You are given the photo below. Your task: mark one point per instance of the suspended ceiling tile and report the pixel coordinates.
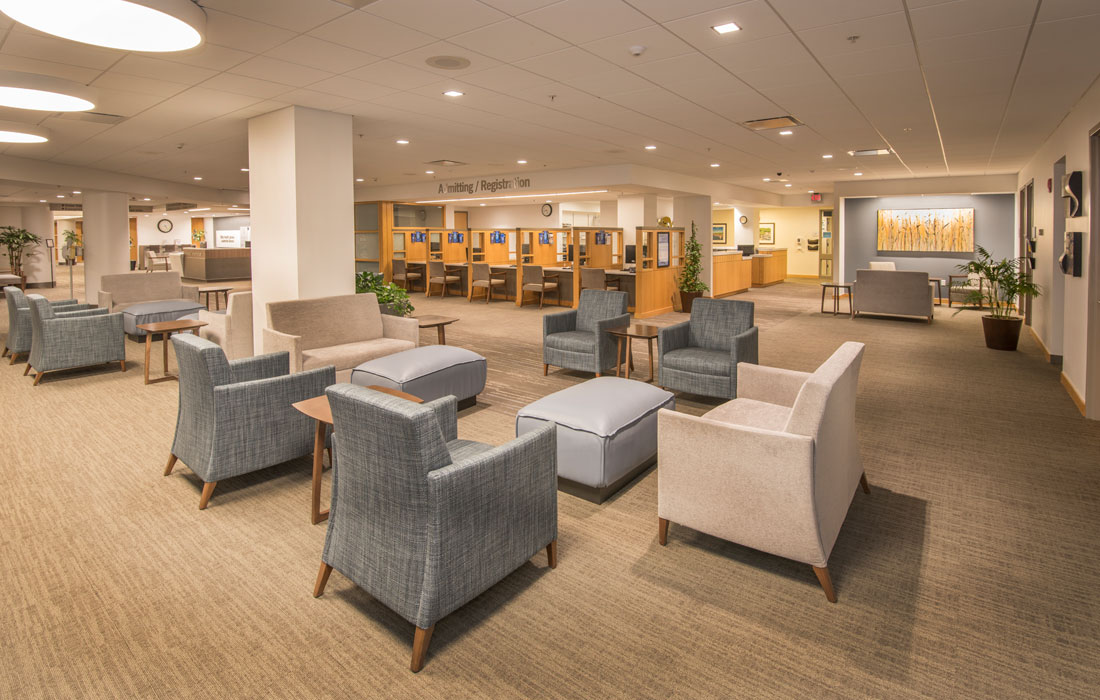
(417, 58)
(57, 70)
(518, 7)
(580, 21)
(243, 85)
(146, 67)
(350, 88)
(970, 16)
(506, 78)
(1052, 10)
(54, 49)
(509, 41)
(322, 55)
(756, 19)
(438, 19)
(663, 10)
(295, 15)
(267, 68)
(381, 37)
(890, 58)
(209, 56)
(875, 32)
(1006, 45)
(658, 44)
(565, 64)
(236, 32)
(805, 15)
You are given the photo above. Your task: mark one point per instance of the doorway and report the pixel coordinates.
(1056, 291)
(1092, 334)
(825, 245)
(1027, 206)
(462, 220)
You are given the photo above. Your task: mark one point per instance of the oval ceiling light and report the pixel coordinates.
(129, 25)
(43, 92)
(14, 132)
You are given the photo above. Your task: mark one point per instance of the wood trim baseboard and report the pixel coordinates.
(1042, 345)
(1077, 400)
(806, 277)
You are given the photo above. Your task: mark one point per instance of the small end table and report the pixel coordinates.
(438, 323)
(836, 287)
(629, 333)
(217, 292)
(940, 282)
(165, 329)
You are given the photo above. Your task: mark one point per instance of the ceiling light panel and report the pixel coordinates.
(726, 28)
(14, 132)
(44, 93)
(129, 25)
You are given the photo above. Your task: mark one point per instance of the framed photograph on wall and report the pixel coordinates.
(662, 249)
(718, 234)
(767, 234)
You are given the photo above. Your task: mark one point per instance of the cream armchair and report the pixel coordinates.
(775, 469)
(231, 329)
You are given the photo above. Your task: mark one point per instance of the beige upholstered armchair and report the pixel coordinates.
(232, 328)
(960, 287)
(775, 469)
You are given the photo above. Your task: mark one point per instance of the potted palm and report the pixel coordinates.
(1002, 283)
(17, 241)
(392, 300)
(689, 284)
(72, 248)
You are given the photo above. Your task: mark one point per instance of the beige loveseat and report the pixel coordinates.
(344, 331)
(893, 293)
(117, 292)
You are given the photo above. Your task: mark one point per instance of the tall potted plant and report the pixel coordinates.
(1003, 282)
(691, 287)
(72, 249)
(17, 241)
(392, 299)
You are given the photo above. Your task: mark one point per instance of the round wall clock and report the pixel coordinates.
(744, 219)
(547, 209)
(164, 225)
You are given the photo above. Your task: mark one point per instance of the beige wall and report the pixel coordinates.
(792, 224)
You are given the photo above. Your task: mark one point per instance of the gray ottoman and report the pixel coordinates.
(607, 432)
(428, 373)
(153, 311)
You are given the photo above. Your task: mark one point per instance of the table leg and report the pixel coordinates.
(629, 356)
(822, 299)
(148, 347)
(836, 300)
(650, 342)
(442, 335)
(316, 515)
(619, 356)
(164, 340)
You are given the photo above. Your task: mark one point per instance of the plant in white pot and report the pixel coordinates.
(1003, 282)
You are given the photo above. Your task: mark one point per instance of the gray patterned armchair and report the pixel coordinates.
(71, 340)
(18, 341)
(425, 522)
(578, 339)
(236, 417)
(700, 356)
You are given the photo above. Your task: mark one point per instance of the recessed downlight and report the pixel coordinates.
(827, 156)
(244, 170)
(129, 25)
(787, 185)
(14, 132)
(522, 162)
(859, 174)
(147, 199)
(767, 179)
(61, 196)
(715, 165)
(402, 142)
(429, 172)
(454, 93)
(76, 191)
(651, 148)
(482, 204)
(358, 179)
(198, 177)
(786, 132)
(42, 201)
(43, 93)
(726, 28)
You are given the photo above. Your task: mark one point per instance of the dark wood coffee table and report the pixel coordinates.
(437, 322)
(628, 334)
(165, 329)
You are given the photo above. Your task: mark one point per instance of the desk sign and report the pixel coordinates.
(227, 239)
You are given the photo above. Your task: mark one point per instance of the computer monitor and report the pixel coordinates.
(628, 255)
(749, 249)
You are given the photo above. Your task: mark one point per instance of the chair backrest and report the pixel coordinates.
(16, 300)
(327, 321)
(593, 278)
(599, 305)
(436, 269)
(398, 266)
(871, 283)
(131, 287)
(202, 365)
(481, 271)
(240, 307)
(715, 322)
(883, 265)
(175, 262)
(532, 274)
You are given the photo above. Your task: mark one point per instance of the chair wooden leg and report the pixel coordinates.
(12, 362)
(662, 530)
(5, 354)
(552, 554)
(826, 582)
(207, 492)
(545, 370)
(421, 638)
(26, 370)
(863, 483)
(122, 365)
(542, 296)
(328, 450)
(322, 580)
(38, 378)
(171, 464)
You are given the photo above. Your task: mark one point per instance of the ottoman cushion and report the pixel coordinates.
(154, 311)
(607, 428)
(429, 372)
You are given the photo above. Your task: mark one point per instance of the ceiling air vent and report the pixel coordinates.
(448, 62)
(870, 152)
(95, 117)
(445, 162)
(179, 206)
(140, 208)
(772, 123)
(62, 206)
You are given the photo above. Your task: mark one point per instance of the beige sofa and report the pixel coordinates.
(117, 292)
(232, 328)
(893, 293)
(344, 331)
(774, 469)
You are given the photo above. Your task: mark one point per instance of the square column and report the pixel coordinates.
(106, 239)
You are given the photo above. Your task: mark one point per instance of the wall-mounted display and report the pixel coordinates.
(926, 230)
(418, 237)
(546, 238)
(718, 233)
(767, 234)
(663, 255)
(497, 237)
(455, 237)
(1071, 193)
(1070, 260)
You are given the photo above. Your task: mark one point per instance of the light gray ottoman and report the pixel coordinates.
(607, 432)
(428, 373)
(154, 311)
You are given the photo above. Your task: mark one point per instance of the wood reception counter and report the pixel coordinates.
(769, 266)
(210, 264)
(732, 273)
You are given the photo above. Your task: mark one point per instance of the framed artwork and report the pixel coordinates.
(718, 233)
(663, 249)
(929, 230)
(767, 234)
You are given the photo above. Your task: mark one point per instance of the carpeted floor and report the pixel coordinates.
(970, 571)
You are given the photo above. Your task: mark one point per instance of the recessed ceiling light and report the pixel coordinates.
(548, 201)
(810, 191)
(146, 199)
(76, 191)
(522, 162)
(482, 204)
(358, 179)
(129, 25)
(651, 148)
(767, 179)
(827, 155)
(787, 185)
(198, 177)
(43, 92)
(244, 170)
(202, 209)
(13, 132)
(429, 172)
(403, 142)
(454, 93)
(786, 132)
(42, 200)
(715, 165)
(859, 174)
(726, 28)
(61, 196)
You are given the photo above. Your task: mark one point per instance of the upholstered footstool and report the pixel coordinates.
(607, 432)
(428, 373)
(154, 311)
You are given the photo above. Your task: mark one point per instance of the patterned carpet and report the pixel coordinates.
(970, 571)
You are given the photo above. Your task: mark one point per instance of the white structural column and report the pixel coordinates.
(634, 211)
(609, 213)
(38, 219)
(696, 208)
(302, 201)
(106, 238)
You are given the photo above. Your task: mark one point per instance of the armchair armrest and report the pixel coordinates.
(70, 312)
(276, 341)
(769, 384)
(746, 346)
(559, 322)
(446, 413)
(673, 337)
(188, 291)
(247, 369)
(606, 324)
(105, 300)
(214, 321)
(401, 328)
(69, 302)
(82, 328)
(268, 401)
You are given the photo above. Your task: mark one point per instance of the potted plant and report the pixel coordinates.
(1002, 283)
(72, 248)
(393, 300)
(17, 241)
(691, 287)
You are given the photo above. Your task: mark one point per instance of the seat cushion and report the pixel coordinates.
(755, 414)
(154, 311)
(603, 406)
(349, 355)
(572, 341)
(429, 372)
(8, 280)
(699, 361)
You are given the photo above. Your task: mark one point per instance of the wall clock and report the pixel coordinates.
(164, 225)
(744, 219)
(547, 209)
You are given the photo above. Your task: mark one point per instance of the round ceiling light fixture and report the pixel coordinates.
(129, 25)
(44, 93)
(14, 132)
(448, 62)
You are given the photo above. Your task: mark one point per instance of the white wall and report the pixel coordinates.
(514, 216)
(793, 225)
(149, 234)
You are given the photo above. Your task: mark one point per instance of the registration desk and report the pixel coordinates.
(732, 273)
(769, 267)
(211, 264)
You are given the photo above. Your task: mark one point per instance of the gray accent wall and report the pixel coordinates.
(994, 229)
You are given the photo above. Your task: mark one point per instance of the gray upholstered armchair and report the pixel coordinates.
(578, 339)
(700, 356)
(423, 521)
(71, 340)
(236, 417)
(18, 341)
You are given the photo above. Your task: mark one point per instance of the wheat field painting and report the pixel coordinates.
(932, 230)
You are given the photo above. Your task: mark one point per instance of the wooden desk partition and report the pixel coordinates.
(484, 249)
(545, 254)
(594, 246)
(655, 286)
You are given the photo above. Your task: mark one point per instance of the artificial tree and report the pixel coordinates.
(691, 287)
(17, 241)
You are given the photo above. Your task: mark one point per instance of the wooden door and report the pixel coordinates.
(462, 220)
(198, 230)
(80, 237)
(133, 240)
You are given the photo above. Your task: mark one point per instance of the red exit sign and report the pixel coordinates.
(815, 197)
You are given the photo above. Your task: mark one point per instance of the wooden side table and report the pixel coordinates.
(437, 322)
(628, 334)
(836, 287)
(165, 329)
(217, 292)
(318, 409)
